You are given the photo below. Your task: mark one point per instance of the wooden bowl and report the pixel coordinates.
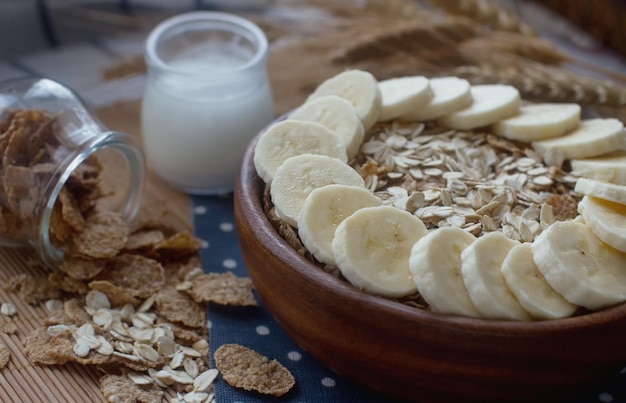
(410, 353)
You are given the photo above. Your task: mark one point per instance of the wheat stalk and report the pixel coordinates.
(416, 38)
(532, 48)
(536, 81)
(402, 8)
(486, 13)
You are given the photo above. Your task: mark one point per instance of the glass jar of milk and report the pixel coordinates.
(207, 95)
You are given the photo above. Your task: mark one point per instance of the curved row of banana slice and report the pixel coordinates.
(389, 252)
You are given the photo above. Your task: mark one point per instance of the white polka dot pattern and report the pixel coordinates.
(328, 382)
(229, 263)
(262, 330)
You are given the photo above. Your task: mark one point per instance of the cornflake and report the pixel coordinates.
(244, 368)
(224, 289)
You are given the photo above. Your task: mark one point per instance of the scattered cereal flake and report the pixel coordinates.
(121, 389)
(187, 335)
(178, 307)
(224, 289)
(244, 368)
(62, 281)
(37, 347)
(8, 309)
(60, 230)
(117, 295)
(7, 325)
(32, 289)
(70, 211)
(104, 235)
(75, 310)
(82, 269)
(181, 243)
(144, 240)
(140, 276)
(5, 355)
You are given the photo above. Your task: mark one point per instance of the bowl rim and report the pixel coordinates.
(249, 193)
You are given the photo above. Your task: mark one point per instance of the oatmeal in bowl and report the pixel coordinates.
(463, 238)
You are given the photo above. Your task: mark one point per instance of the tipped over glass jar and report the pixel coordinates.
(58, 164)
(207, 95)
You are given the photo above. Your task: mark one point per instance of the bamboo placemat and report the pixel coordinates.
(20, 380)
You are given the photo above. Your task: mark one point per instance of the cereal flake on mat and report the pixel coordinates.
(143, 240)
(179, 244)
(75, 310)
(121, 389)
(138, 275)
(69, 210)
(224, 289)
(117, 295)
(178, 307)
(81, 269)
(61, 281)
(104, 235)
(245, 368)
(186, 335)
(7, 325)
(32, 289)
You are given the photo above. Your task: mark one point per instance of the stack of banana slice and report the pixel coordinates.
(573, 264)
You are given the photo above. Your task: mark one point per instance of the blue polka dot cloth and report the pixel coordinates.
(254, 327)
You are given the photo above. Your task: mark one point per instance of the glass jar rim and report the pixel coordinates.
(169, 24)
(50, 254)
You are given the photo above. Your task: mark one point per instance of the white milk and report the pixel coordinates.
(196, 131)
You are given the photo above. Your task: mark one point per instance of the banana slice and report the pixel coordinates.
(490, 104)
(605, 168)
(606, 219)
(298, 176)
(481, 264)
(539, 122)
(579, 266)
(593, 137)
(290, 138)
(601, 190)
(324, 209)
(372, 249)
(403, 95)
(450, 94)
(337, 115)
(530, 287)
(358, 87)
(436, 266)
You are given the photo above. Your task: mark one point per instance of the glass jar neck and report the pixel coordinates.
(202, 53)
(52, 254)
